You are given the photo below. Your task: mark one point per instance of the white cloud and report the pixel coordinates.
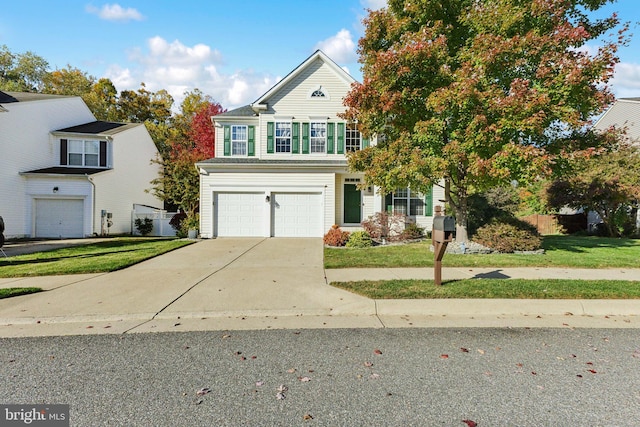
(341, 47)
(115, 12)
(626, 80)
(178, 68)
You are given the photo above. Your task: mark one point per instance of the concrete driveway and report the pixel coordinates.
(212, 284)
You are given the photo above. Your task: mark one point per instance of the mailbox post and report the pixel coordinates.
(441, 235)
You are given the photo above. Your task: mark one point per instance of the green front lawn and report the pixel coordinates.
(108, 255)
(495, 288)
(14, 292)
(561, 251)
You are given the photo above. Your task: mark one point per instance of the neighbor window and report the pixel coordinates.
(238, 140)
(283, 137)
(352, 140)
(83, 153)
(318, 137)
(406, 202)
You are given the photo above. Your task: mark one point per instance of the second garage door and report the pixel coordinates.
(59, 218)
(239, 214)
(297, 214)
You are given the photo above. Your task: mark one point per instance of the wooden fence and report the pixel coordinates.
(557, 224)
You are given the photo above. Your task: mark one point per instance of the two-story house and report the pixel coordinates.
(280, 164)
(63, 174)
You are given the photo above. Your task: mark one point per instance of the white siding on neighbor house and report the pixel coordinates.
(265, 183)
(118, 189)
(623, 113)
(25, 144)
(68, 188)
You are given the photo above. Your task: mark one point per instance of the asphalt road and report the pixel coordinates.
(357, 377)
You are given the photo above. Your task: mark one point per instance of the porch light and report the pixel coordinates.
(267, 199)
(55, 189)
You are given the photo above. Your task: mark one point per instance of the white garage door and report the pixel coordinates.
(297, 214)
(239, 214)
(59, 218)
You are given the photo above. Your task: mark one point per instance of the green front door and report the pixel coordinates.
(352, 204)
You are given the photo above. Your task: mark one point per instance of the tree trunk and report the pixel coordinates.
(460, 210)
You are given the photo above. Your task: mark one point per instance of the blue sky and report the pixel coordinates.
(231, 50)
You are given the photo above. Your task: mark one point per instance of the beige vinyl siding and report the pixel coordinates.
(293, 103)
(623, 113)
(267, 183)
(25, 144)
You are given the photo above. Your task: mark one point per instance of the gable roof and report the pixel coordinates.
(625, 112)
(260, 103)
(5, 98)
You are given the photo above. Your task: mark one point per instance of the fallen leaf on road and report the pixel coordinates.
(464, 350)
(592, 371)
(307, 417)
(280, 396)
(376, 351)
(481, 351)
(259, 383)
(304, 379)
(291, 371)
(283, 388)
(470, 423)
(375, 376)
(444, 356)
(203, 391)
(226, 336)
(368, 364)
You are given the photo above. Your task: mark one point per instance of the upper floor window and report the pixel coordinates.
(239, 140)
(318, 138)
(83, 153)
(283, 137)
(352, 138)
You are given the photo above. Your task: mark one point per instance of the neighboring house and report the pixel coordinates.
(63, 174)
(280, 164)
(623, 114)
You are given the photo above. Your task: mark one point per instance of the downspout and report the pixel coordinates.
(93, 203)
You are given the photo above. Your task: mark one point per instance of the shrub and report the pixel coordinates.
(359, 239)
(145, 226)
(383, 225)
(508, 236)
(412, 232)
(336, 237)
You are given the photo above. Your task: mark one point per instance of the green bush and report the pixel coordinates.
(336, 237)
(507, 237)
(412, 232)
(144, 226)
(359, 239)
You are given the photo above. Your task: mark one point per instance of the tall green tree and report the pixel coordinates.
(477, 92)
(22, 72)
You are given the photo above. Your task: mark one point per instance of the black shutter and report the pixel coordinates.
(63, 152)
(103, 154)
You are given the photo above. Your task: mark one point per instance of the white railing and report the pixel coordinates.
(160, 218)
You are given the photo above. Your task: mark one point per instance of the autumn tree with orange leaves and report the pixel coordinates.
(476, 93)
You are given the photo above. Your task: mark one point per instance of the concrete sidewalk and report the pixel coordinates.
(256, 283)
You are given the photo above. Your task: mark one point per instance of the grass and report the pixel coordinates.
(494, 288)
(108, 255)
(560, 251)
(14, 292)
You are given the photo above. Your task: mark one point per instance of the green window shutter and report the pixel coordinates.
(227, 140)
(428, 203)
(295, 138)
(340, 138)
(251, 140)
(330, 131)
(365, 142)
(305, 138)
(269, 137)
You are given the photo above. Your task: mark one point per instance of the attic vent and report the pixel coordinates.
(318, 93)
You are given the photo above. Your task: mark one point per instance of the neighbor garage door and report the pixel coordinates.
(239, 214)
(59, 218)
(297, 214)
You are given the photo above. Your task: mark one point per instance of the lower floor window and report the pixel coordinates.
(406, 202)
